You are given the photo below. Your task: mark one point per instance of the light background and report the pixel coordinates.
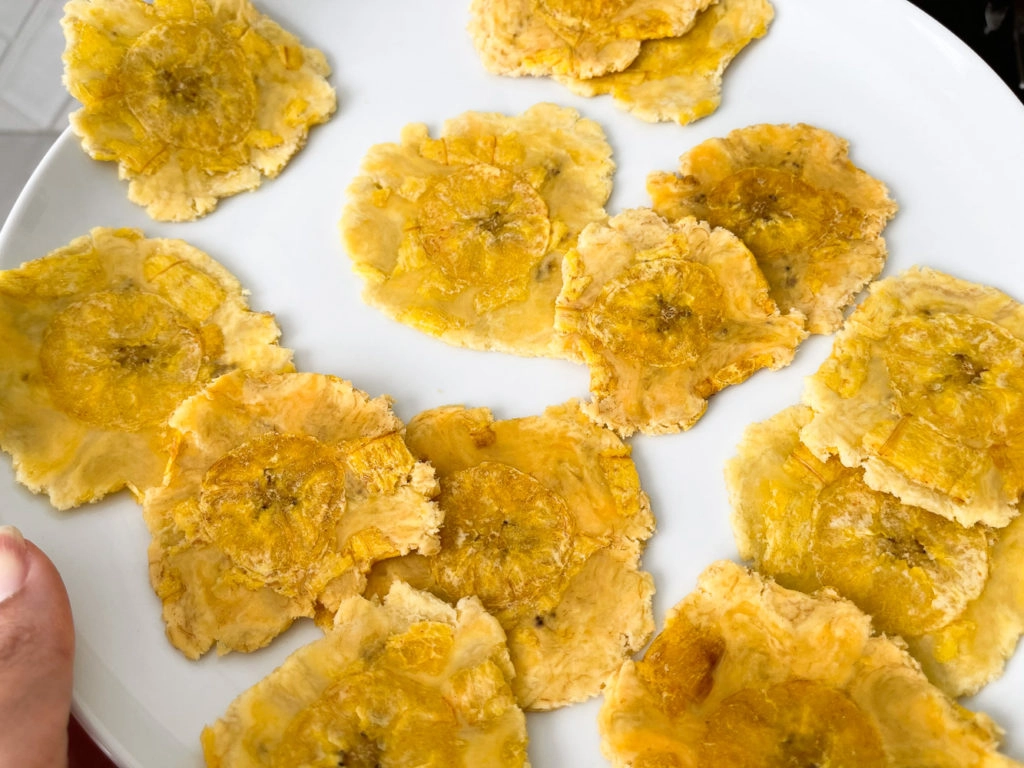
(33, 103)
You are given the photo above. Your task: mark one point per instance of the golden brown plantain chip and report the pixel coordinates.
(973, 649)
(812, 219)
(748, 673)
(952, 592)
(545, 522)
(462, 236)
(680, 78)
(666, 314)
(194, 100)
(100, 340)
(581, 38)
(924, 389)
(283, 491)
(408, 681)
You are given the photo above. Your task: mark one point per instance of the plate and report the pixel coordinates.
(921, 111)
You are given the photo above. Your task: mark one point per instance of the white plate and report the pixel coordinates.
(921, 111)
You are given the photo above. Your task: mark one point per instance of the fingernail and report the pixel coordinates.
(13, 561)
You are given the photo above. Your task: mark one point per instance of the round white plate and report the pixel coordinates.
(921, 111)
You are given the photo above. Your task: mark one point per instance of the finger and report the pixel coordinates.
(36, 655)
(13, 562)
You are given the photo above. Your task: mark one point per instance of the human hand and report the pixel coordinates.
(36, 654)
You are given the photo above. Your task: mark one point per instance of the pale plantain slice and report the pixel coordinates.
(283, 491)
(913, 570)
(666, 314)
(924, 389)
(680, 78)
(748, 673)
(100, 341)
(951, 592)
(973, 649)
(796, 722)
(462, 236)
(580, 38)
(812, 219)
(545, 522)
(194, 100)
(773, 481)
(809, 523)
(407, 681)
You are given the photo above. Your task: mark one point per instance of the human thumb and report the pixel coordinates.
(36, 654)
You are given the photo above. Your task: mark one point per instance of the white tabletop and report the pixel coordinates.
(33, 103)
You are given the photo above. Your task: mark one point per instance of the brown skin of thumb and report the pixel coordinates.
(37, 646)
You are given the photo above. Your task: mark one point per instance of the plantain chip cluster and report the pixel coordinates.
(660, 59)
(194, 100)
(462, 236)
(101, 340)
(406, 681)
(573, 37)
(464, 568)
(282, 492)
(747, 672)
(680, 78)
(544, 521)
(897, 482)
(454, 239)
(954, 593)
(812, 219)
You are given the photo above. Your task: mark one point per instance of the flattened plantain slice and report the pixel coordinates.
(748, 673)
(911, 569)
(680, 78)
(812, 219)
(809, 523)
(782, 725)
(283, 490)
(951, 592)
(580, 38)
(666, 314)
(100, 340)
(545, 522)
(973, 649)
(924, 389)
(772, 482)
(462, 236)
(406, 681)
(193, 100)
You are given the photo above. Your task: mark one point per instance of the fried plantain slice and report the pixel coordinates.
(972, 650)
(545, 522)
(580, 38)
(772, 483)
(193, 100)
(924, 389)
(680, 78)
(282, 492)
(950, 591)
(748, 673)
(462, 236)
(812, 219)
(809, 523)
(100, 340)
(782, 725)
(666, 314)
(408, 680)
(911, 569)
